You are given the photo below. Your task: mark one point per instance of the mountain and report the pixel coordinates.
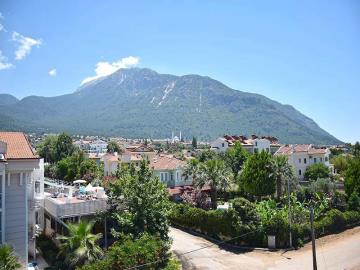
(143, 103)
(6, 99)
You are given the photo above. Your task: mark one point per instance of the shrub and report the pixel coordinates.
(354, 202)
(333, 221)
(351, 217)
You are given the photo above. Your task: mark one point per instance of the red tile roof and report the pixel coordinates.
(18, 146)
(310, 149)
(164, 162)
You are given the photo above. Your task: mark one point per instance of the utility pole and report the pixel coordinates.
(289, 202)
(313, 238)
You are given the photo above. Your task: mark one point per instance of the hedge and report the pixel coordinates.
(223, 225)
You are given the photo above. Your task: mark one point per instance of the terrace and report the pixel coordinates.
(63, 201)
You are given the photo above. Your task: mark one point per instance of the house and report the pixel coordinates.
(134, 154)
(254, 144)
(301, 156)
(169, 169)
(111, 163)
(98, 146)
(21, 193)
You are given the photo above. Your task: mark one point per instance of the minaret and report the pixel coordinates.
(180, 136)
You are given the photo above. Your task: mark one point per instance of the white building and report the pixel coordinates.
(21, 193)
(252, 145)
(302, 156)
(111, 163)
(98, 146)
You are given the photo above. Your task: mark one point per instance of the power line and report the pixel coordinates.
(194, 250)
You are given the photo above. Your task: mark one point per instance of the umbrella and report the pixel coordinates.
(89, 188)
(79, 181)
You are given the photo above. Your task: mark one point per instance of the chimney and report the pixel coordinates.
(3, 147)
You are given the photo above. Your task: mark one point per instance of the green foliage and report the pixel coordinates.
(80, 246)
(64, 146)
(113, 147)
(354, 202)
(283, 172)
(8, 260)
(88, 169)
(340, 163)
(321, 185)
(214, 174)
(194, 143)
(235, 157)
(206, 155)
(47, 149)
(352, 177)
(140, 203)
(240, 219)
(257, 177)
(333, 221)
(356, 150)
(316, 171)
(132, 252)
(50, 252)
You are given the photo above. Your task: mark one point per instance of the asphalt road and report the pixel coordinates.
(341, 251)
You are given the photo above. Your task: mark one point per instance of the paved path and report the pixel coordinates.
(341, 251)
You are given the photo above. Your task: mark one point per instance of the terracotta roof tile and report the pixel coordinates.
(163, 162)
(18, 146)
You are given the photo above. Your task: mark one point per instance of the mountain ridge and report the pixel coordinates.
(140, 102)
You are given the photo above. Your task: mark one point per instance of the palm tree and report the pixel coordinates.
(213, 173)
(283, 172)
(191, 169)
(80, 246)
(8, 260)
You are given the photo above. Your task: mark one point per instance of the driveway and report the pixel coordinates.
(341, 251)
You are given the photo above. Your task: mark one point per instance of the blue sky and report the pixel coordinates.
(303, 53)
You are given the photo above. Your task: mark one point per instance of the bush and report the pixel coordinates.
(351, 217)
(354, 202)
(50, 252)
(333, 221)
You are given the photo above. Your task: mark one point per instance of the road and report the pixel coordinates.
(334, 252)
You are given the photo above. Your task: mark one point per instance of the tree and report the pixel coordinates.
(354, 202)
(147, 249)
(283, 172)
(191, 169)
(352, 177)
(47, 149)
(88, 169)
(8, 260)
(257, 176)
(235, 157)
(315, 171)
(207, 154)
(356, 150)
(194, 142)
(80, 246)
(214, 174)
(140, 203)
(340, 163)
(64, 146)
(113, 147)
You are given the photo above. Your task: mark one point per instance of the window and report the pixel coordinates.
(304, 160)
(321, 159)
(314, 159)
(299, 172)
(223, 145)
(299, 160)
(255, 143)
(37, 187)
(326, 159)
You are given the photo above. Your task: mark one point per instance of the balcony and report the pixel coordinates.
(72, 207)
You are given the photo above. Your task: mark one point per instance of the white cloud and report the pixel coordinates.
(4, 64)
(105, 68)
(1, 16)
(25, 45)
(2, 28)
(52, 72)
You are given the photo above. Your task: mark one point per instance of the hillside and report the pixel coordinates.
(142, 103)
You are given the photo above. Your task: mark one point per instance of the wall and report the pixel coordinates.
(16, 215)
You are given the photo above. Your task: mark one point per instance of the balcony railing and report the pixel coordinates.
(65, 207)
